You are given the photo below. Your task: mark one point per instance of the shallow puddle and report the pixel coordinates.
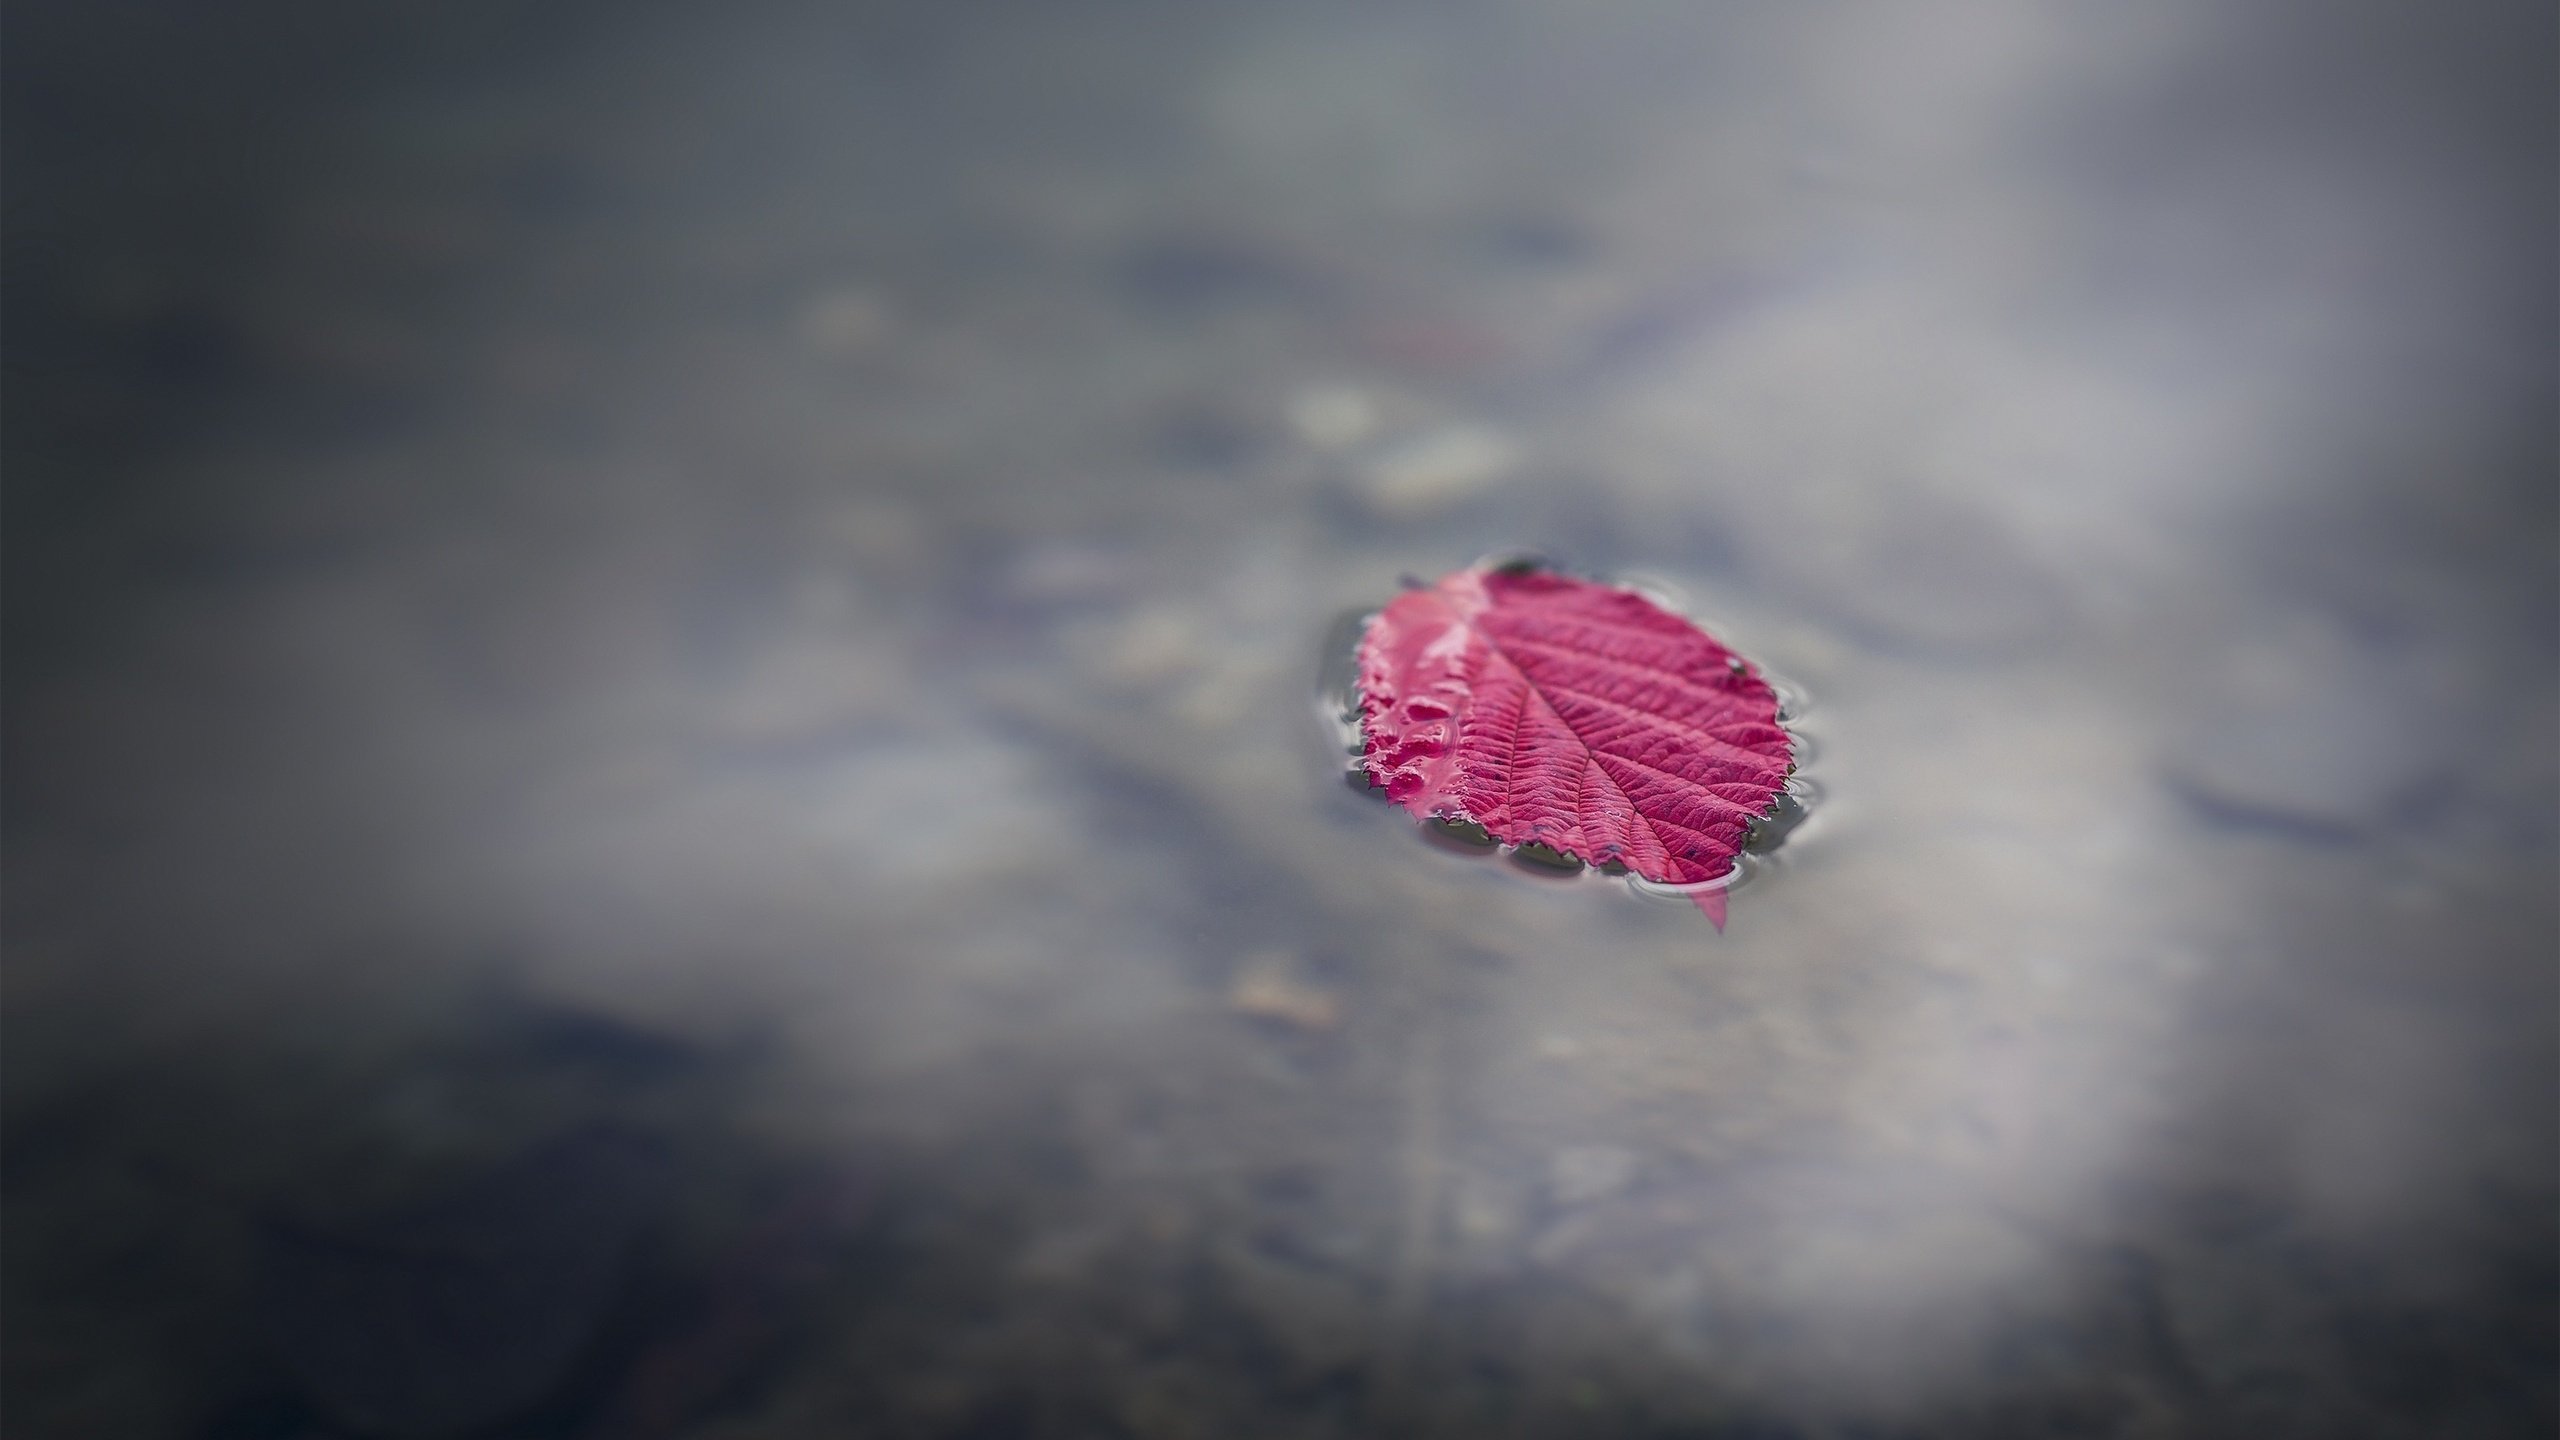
(661, 778)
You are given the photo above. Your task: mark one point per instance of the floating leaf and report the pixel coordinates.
(1572, 715)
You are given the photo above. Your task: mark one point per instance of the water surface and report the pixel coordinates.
(718, 606)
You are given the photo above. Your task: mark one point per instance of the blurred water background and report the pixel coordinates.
(666, 771)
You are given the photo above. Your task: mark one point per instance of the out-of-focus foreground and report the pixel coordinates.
(666, 771)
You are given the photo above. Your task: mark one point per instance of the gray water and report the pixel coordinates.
(666, 771)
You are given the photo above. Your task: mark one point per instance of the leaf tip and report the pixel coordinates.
(1711, 904)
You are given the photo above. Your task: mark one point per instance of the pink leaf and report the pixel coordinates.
(1574, 715)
